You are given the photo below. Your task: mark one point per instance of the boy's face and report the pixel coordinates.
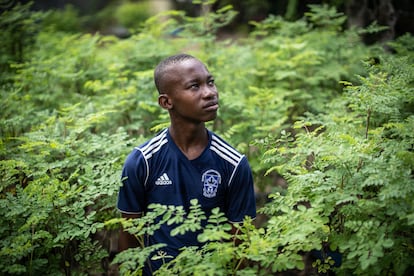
(191, 94)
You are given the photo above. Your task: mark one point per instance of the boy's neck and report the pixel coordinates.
(191, 141)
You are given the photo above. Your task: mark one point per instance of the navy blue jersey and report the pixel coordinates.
(158, 172)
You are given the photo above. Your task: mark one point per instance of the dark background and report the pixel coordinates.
(398, 15)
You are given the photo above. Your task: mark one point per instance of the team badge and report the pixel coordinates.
(211, 180)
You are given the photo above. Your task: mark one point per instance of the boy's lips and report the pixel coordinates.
(211, 106)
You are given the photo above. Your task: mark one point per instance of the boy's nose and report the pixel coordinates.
(209, 92)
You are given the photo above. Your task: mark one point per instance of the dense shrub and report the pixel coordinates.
(306, 101)
(131, 15)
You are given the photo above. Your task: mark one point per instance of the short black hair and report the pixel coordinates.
(163, 66)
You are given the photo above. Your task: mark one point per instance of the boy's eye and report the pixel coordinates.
(194, 85)
(211, 82)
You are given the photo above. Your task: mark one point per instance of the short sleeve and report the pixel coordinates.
(131, 196)
(241, 200)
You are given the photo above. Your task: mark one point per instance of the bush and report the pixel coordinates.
(306, 101)
(131, 15)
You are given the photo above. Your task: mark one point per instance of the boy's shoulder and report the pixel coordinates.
(154, 144)
(224, 149)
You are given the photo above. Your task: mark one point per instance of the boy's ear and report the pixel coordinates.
(164, 101)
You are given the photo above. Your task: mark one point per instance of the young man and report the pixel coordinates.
(185, 161)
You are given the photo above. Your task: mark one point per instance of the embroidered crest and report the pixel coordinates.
(211, 179)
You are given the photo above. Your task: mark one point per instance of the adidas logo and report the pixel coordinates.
(163, 180)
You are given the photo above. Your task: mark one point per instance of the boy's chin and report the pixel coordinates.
(211, 118)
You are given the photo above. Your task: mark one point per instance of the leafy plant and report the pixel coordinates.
(19, 28)
(132, 14)
(356, 169)
(310, 105)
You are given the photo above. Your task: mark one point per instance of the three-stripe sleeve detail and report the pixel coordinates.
(153, 146)
(227, 153)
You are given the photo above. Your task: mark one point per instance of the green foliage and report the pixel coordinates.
(18, 31)
(304, 100)
(356, 168)
(57, 195)
(132, 14)
(215, 257)
(325, 17)
(66, 20)
(296, 68)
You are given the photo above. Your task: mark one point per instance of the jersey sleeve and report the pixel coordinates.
(131, 196)
(241, 200)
